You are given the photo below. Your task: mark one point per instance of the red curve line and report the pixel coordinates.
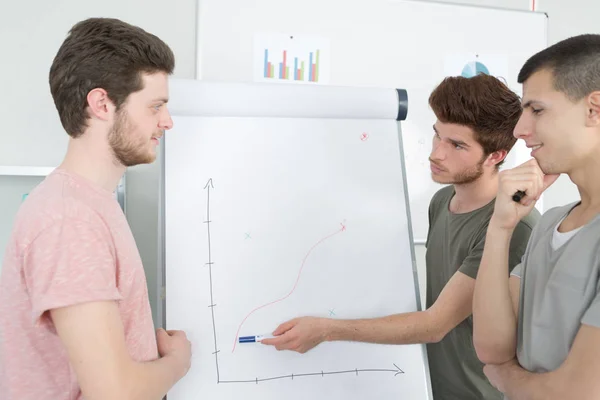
(343, 228)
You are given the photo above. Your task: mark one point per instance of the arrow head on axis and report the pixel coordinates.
(209, 183)
(399, 371)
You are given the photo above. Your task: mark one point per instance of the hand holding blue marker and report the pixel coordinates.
(254, 339)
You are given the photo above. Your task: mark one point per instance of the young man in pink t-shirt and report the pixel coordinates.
(75, 321)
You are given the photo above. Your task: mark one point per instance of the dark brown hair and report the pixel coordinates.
(483, 103)
(574, 63)
(103, 53)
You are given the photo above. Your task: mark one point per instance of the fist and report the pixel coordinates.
(299, 335)
(528, 178)
(175, 344)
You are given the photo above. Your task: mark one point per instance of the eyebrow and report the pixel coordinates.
(161, 99)
(459, 143)
(454, 142)
(529, 103)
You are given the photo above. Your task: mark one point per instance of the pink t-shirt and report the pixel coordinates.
(70, 244)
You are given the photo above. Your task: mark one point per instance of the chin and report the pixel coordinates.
(145, 159)
(549, 168)
(439, 179)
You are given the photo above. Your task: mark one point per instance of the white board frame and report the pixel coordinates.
(161, 279)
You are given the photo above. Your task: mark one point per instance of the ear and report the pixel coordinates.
(593, 109)
(99, 105)
(493, 159)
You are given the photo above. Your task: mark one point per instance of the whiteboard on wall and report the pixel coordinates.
(381, 43)
(282, 201)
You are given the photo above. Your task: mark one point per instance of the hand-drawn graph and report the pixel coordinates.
(395, 369)
(343, 228)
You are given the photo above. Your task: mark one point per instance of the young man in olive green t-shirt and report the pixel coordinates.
(471, 137)
(455, 243)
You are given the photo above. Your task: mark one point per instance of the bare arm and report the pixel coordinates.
(495, 301)
(93, 336)
(494, 309)
(576, 378)
(451, 308)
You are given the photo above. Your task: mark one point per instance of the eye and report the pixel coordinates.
(157, 107)
(457, 146)
(536, 111)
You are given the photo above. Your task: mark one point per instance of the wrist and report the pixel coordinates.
(516, 379)
(176, 366)
(497, 225)
(330, 330)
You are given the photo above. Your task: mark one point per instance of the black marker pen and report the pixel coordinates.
(519, 194)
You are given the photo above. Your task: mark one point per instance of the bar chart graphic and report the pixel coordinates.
(291, 59)
(307, 69)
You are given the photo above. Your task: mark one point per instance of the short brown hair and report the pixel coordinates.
(103, 53)
(574, 63)
(484, 104)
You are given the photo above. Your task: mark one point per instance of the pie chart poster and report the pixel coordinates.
(469, 65)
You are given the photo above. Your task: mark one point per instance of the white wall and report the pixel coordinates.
(30, 35)
(32, 31)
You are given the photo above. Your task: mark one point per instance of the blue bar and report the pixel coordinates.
(296, 75)
(310, 77)
(266, 63)
(280, 70)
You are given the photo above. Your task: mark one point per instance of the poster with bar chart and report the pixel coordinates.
(289, 58)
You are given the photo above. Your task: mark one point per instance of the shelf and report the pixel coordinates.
(25, 171)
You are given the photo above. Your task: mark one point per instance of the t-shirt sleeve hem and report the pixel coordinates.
(469, 270)
(517, 270)
(53, 301)
(592, 314)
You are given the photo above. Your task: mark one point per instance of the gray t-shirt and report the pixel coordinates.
(559, 291)
(455, 242)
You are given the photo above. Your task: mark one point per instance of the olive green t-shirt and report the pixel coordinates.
(455, 242)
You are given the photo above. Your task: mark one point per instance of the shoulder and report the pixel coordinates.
(52, 205)
(552, 216)
(535, 224)
(442, 196)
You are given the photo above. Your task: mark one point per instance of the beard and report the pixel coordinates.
(467, 175)
(127, 150)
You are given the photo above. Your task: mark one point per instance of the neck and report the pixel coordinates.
(474, 195)
(588, 184)
(93, 160)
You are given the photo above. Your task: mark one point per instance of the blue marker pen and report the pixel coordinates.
(253, 339)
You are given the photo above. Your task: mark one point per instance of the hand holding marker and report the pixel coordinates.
(254, 339)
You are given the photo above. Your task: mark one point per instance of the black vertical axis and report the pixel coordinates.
(208, 186)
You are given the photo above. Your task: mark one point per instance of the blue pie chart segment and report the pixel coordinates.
(474, 68)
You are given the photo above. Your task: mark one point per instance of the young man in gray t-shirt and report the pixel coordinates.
(539, 330)
(470, 139)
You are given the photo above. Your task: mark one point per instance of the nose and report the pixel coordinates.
(524, 127)
(438, 151)
(166, 122)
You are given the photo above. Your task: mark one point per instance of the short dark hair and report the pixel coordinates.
(483, 103)
(573, 62)
(103, 53)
